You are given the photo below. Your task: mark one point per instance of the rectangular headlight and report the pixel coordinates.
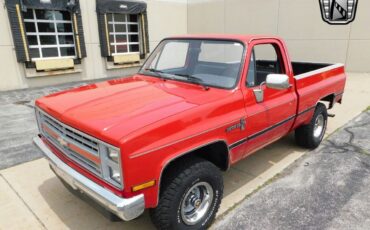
(115, 175)
(111, 165)
(114, 155)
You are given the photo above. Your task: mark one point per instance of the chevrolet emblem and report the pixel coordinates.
(62, 142)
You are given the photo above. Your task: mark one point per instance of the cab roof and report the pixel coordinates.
(239, 37)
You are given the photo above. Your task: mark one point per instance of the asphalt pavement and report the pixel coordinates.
(18, 125)
(328, 188)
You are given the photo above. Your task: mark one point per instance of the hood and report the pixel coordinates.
(130, 103)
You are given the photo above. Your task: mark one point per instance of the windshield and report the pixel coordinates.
(206, 62)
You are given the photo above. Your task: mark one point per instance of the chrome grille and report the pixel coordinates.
(68, 139)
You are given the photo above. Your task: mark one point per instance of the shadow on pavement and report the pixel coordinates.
(78, 214)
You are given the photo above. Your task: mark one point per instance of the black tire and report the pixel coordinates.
(305, 135)
(179, 180)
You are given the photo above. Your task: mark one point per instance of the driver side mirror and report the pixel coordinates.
(277, 81)
(273, 81)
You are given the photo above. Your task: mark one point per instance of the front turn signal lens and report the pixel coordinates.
(143, 186)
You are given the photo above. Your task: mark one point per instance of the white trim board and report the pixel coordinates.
(314, 72)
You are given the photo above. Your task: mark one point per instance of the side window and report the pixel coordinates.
(251, 71)
(173, 56)
(265, 60)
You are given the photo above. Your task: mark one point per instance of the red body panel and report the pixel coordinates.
(313, 88)
(154, 121)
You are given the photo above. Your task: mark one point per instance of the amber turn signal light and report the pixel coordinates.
(143, 186)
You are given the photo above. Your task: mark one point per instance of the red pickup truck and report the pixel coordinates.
(159, 140)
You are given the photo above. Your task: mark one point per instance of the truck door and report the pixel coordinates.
(273, 116)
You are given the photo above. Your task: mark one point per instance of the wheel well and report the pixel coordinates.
(331, 99)
(216, 153)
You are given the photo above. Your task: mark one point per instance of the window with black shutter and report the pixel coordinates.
(123, 31)
(47, 34)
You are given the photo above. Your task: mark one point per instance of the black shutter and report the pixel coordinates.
(81, 36)
(16, 22)
(146, 33)
(120, 6)
(69, 5)
(103, 35)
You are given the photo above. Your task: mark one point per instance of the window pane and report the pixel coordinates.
(220, 52)
(28, 14)
(265, 52)
(64, 27)
(50, 52)
(120, 28)
(134, 38)
(32, 40)
(133, 18)
(62, 15)
(121, 38)
(66, 39)
(109, 17)
(173, 55)
(133, 28)
(110, 27)
(44, 14)
(112, 49)
(48, 40)
(111, 38)
(134, 48)
(67, 51)
(251, 71)
(46, 27)
(267, 62)
(30, 27)
(119, 17)
(35, 53)
(122, 49)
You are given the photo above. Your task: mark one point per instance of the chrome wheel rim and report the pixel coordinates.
(319, 126)
(196, 203)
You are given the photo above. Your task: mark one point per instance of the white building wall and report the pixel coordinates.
(299, 22)
(165, 18)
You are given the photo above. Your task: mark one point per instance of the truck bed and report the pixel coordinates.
(313, 81)
(305, 67)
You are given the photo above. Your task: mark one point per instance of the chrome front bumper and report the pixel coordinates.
(126, 209)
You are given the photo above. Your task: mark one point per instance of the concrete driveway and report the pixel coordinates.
(17, 123)
(33, 198)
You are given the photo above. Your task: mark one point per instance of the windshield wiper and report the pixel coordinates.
(194, 80)
(153, 70)
(158, 73)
